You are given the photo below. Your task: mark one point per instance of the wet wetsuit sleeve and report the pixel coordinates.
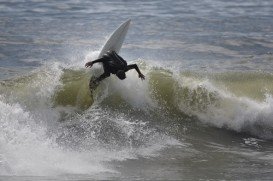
(100, 60)
(133, 66)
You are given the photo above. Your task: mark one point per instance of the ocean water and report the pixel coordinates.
(204, 112)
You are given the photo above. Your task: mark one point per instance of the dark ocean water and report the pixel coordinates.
(205, 110)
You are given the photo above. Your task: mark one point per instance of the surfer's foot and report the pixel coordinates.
(93, 83)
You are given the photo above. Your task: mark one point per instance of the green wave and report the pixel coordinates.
(235, 100)
(74, 90)
(172, 91)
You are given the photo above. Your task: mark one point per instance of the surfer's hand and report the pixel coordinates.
(89, 64)
(141, 76)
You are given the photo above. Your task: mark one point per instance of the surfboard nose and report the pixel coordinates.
(126, 24)
(128, 21)
(115, 41)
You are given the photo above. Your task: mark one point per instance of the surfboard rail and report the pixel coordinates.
(116, 39)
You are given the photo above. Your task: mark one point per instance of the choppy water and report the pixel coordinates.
(205, 110)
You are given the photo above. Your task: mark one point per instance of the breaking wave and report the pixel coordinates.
(52, 124)
(237, 101)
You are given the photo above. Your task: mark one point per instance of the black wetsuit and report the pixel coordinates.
(112, 63)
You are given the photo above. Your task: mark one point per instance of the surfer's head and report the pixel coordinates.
(121, 74)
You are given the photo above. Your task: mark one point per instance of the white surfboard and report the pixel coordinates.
(115, 41)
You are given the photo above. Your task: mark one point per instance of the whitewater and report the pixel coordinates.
(204, 111)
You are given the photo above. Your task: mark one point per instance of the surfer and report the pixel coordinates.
(115, 64)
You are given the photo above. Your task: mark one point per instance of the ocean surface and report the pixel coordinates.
(204, 112)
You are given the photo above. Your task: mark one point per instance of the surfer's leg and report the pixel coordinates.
(94, 82)
(107, 71)
(103, 76)
(106, 74)
(100, 78)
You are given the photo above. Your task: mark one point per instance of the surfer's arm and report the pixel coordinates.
(101, 60)
(134, 66)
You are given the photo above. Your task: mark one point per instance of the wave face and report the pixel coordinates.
(51, 124)
(237, 101)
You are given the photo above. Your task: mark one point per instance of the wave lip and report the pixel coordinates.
(215, 101)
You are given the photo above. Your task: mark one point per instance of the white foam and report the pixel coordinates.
(27, 134)
(133, 90)
(231, 111)
(27, 149)
(30, 131)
